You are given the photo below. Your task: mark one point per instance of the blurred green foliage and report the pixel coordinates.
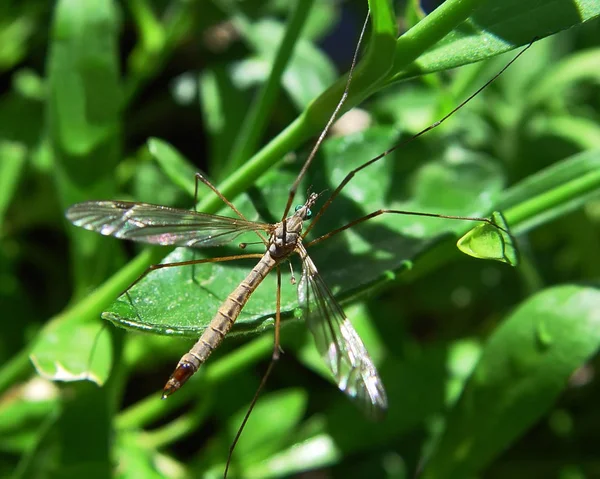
(489, 369)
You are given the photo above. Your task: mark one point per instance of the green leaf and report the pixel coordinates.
(490, 241)
(12, 161)
(491, 28)
(313, 453)
(524, 367)
(270, 426)
(136, 458)
(418, 313)
(16, 30)
(84, 76)
(566, 75)
(67, 353)
(84, 120)
(581, 131)
(178, 169)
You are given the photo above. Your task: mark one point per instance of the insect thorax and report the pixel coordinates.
(280, 246)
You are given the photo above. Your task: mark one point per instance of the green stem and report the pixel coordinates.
(156, 42)
(544, 202)
(15, 368)
(146, 411)
(90, 307)
(240, 359)
(427, 33)
(255, 122)
(149, 409)
(177, 428)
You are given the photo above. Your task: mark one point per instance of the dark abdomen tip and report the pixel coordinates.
(182, 373)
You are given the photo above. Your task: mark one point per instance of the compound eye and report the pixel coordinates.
(308, 214)
(298, 207)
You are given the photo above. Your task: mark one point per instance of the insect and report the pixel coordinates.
(336, 340)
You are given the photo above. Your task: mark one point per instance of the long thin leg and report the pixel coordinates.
(263, 381)
(277, 343)
(193, 262)
(350, 175)
(292, 275)
(200, 177)
(401, 212)
(204, 180)
(154, 267)
(323, 134)
(95, 343)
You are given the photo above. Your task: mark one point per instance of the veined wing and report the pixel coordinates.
(156, 224)
(338, 343)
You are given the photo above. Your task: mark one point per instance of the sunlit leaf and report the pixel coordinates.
(74, 353)
(490, 241)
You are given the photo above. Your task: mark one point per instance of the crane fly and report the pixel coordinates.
(338, 343)
(335, 338)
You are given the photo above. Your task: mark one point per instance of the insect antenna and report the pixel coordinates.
(332, 118)
(351, 174)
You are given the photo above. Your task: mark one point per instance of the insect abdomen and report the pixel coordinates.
(219, 325)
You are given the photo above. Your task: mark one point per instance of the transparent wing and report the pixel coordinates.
(156, 224)
(338, 342)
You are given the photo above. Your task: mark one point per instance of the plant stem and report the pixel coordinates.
(255, 122)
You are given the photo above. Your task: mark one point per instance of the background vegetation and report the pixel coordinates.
(489, 369)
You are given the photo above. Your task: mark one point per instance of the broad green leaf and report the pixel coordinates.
(494, 27)
(83, 76)
(83, 120)
(65, 352)
(150, 184)
(525, 365)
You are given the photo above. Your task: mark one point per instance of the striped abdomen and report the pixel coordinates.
(219, 325)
